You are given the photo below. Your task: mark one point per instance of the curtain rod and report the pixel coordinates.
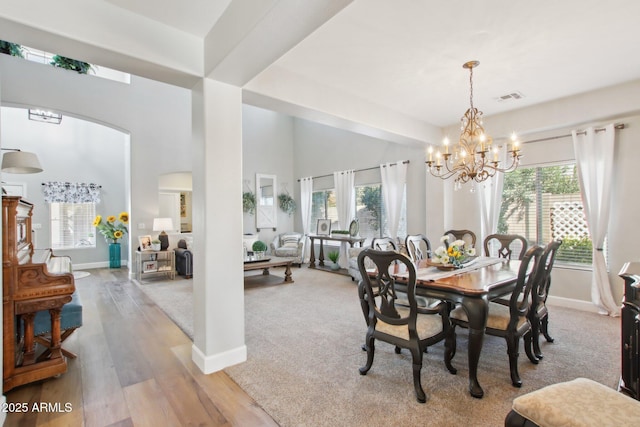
(357, 170)
(67, 184)
(582, 132)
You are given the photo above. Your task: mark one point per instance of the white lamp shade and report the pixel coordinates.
(162, 224)
(20, 162)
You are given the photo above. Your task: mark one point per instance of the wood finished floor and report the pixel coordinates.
(133, 368)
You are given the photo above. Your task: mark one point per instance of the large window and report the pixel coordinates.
(544, 203)
(72, 225)
(370, 211)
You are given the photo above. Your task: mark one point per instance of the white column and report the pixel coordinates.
(218, 278)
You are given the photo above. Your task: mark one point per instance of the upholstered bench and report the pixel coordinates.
(580, 402)
(70, 320)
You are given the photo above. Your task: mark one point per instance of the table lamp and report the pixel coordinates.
(162, 224)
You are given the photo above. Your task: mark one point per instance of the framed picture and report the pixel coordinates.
(324, 227)
(149, 266)
(145, 243)
(354, 228)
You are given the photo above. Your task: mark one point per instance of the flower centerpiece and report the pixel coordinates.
(454, 254)
(111, 229)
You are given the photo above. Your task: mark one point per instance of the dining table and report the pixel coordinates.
(473, 286)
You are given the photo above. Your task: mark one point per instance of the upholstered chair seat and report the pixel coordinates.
(289, 245)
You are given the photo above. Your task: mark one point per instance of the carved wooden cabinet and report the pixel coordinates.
(630, 378)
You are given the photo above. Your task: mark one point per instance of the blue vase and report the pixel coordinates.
(114, 255)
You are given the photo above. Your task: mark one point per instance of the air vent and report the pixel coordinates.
(510, 97)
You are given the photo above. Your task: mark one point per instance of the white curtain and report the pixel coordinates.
(345, 203)
(594, 159)
(306, 191)
(394, 178)
(490, 199)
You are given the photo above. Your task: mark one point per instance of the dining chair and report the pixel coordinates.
(411, 327)
(509, 244)
(507, 319)
(384, 243)
(539, 313)
(418, 247)
(466, 235)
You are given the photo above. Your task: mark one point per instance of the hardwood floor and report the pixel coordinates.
(133, 368)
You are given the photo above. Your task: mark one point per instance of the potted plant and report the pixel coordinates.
(249, 202)
(12, 49)
(259, 248)
(286, 203)
(333, 256)
(71, 64)
(155, 244)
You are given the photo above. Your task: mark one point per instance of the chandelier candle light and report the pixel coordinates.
(470, 160)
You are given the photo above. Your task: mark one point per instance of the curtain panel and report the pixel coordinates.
(344, 182)
(594, 159)
(306, 192)
(71, 192)
(490, 199)
(394, 178)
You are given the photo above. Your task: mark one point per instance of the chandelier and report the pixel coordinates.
(475, 158)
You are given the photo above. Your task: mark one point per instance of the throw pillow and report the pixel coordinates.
(189, 241)
(290, 240)
(182, 244)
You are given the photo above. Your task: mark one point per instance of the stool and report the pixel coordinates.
(70, 320)
(580, 402)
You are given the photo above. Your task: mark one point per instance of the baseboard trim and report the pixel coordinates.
(217, 362)
(573, 303)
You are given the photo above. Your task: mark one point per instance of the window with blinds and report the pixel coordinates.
(71, 225)
(544, 204)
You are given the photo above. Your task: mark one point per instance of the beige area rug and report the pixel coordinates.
(304, 339)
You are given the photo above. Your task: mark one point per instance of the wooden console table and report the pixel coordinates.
(335, 238)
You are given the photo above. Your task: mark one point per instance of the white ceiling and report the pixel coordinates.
(408, 55)
(401, 58)
(191, 16)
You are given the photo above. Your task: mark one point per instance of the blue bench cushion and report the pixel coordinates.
(70, 318)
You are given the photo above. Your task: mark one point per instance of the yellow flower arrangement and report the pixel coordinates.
(454, 254)
(110, 229)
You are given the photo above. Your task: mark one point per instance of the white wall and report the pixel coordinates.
(322, 150)
(157, 117)
(96, 154)
(268, 148)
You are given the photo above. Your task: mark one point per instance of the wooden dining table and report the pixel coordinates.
(473, 287)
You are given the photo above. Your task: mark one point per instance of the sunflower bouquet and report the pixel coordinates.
(113, 228)
(453, 254)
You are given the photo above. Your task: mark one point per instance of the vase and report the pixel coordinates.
(114, 255)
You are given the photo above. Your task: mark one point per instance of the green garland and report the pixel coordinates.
(286, 203)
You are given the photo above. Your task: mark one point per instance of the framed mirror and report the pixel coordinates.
(266, 206)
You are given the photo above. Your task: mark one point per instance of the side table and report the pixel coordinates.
(155, 263)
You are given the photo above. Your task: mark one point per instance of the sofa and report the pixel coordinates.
(181, 245)
(289, 245)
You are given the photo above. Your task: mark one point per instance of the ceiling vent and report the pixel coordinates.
(510, 97)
